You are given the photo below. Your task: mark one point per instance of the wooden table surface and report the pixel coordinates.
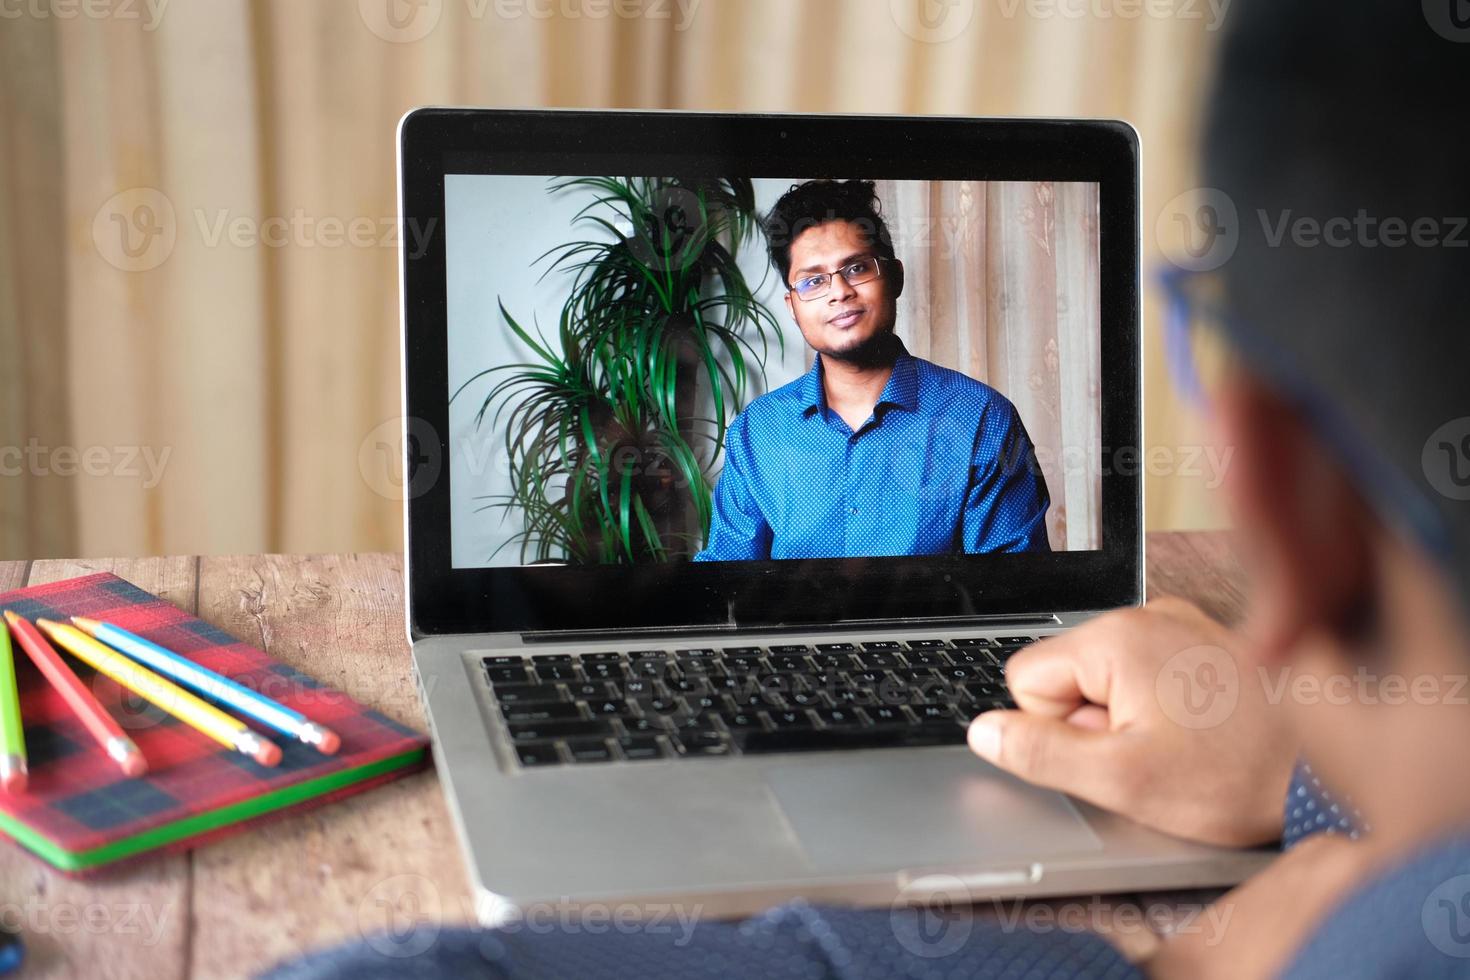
(311, 879)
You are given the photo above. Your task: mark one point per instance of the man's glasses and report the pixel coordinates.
(854, 274)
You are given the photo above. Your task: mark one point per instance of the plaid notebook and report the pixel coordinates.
(80, 812)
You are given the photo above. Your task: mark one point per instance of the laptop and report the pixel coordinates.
(741, 452)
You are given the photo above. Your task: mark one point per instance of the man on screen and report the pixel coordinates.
(873, 451)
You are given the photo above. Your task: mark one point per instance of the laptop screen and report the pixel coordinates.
(647, 370)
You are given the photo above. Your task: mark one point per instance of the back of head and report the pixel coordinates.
(1339, 133)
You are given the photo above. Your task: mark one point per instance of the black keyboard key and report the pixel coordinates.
(588, 750)
(610, 708)
(644, 654)
(933, 712)
(784, 720)
(925, 658)
(605, 671)
(976, 657)
(640, 687)
(839, 717)
(880, 660)
(646, 725)
(927, 644)
(516, 693)
(697, 653)
(701, 743)
(1014, 641)
(816, 740)
(887, 714)
(507, 675)
(790, 649)
(971, 641)
(744, 664)
(738, 721)
(602, 658)
(540, 711)
(534, 731)
(638, 748)
(558, 672)
(544, 754)
(786, 664)
(591, 690)
(883, 645)
(742, 651)
(551, 658)
(502, 661)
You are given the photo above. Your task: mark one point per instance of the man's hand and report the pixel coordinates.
(1149, 713)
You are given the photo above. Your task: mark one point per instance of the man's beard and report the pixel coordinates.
(879, 350)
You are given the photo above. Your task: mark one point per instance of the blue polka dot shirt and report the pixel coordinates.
(942, 466)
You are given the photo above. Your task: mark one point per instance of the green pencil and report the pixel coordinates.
(12, 741)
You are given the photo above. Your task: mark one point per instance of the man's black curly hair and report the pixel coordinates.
(817, 202)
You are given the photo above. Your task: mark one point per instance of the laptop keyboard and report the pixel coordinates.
(639, 705)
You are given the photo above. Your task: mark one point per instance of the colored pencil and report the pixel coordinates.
(214, 686)
(88, 709)
(12, 737)
(202, 717)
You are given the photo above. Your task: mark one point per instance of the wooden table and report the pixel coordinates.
(311, 879)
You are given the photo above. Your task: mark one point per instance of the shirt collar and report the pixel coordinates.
(901, 390)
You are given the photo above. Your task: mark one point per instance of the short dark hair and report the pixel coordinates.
(1354, 113)
(816, 202)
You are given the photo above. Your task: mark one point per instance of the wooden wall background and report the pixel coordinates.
(259, 374)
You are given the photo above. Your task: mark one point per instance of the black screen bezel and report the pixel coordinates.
(712, 596)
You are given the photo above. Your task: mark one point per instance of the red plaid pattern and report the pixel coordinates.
(79, 799)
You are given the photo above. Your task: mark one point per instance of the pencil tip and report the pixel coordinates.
(268, 755)
(10, 617)
(84, 624)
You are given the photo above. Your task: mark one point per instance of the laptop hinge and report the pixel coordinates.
(847, 626)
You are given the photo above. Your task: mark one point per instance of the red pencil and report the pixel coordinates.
(95, 717)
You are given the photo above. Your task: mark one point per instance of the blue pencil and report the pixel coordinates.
(213, 686)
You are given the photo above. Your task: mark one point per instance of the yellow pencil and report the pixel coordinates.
(170, 697)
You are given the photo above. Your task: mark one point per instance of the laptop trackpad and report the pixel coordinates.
(920, 809)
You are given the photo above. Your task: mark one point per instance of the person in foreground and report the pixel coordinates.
(873, 451)
(1347, 402)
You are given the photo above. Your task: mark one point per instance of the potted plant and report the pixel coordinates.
(612, 432)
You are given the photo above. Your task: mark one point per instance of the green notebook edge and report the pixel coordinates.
(199, 823)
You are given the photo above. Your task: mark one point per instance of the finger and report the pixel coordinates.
(1049, 752)
(1058, 676)
(1090, 716)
